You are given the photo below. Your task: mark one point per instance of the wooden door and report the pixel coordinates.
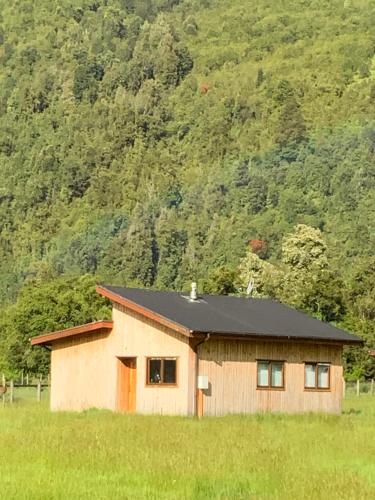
(126, 384)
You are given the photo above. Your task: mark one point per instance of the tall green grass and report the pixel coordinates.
(98, 454)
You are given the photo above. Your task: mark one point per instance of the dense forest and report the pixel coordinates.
(155, 142)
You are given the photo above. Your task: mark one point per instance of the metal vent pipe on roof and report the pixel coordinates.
(193, 292)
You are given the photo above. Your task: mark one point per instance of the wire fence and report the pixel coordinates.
(24, 389)
(358, 387)
(27, 388)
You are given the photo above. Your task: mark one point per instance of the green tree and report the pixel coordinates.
(308, 282)
(264, 278)
(131, 258)
(304, 249)
(361, 290)
(171, 241)
(44, 307)
(221, 281)
(291, 129)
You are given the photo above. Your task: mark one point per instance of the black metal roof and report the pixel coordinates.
(226, 315)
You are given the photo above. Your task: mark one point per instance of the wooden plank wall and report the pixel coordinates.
(135, 336)
(84, 369)
(232, 371)
(81, 373)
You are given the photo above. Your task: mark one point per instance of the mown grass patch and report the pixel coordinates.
(99, 454)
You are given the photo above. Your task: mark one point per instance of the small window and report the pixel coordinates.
(317, 376)
(161, 371)
(270, 375)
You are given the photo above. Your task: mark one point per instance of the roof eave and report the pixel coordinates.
(143, 311)
(48, 338)
(257, 336)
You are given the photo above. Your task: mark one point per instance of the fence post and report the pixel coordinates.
(11, 391)
(22, 377)
(372, 387)
(27, 379)
(39, 391)
(358, 387)
(343, 387)
(3, 382)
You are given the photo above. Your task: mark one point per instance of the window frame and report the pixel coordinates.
(317, 388)
(270, 387)
(162, 359)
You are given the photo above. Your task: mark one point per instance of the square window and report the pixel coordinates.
(161, 371)
(270, 374)
(317, 376)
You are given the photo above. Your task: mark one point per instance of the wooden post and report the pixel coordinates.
(27, 379)
(22, 377)
(11, 391)
(39, 391)
(358, 387)
(3, 382)
(200, 403)
(372, 387)
(343, 387)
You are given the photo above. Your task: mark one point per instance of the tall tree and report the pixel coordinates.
(132, 257)
(308, 282)
(291, 127)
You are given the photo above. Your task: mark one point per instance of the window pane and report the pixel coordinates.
(154, 371)
(323, 376)
(276, 374)
(310, 375)
(262, 373)
(169, 371)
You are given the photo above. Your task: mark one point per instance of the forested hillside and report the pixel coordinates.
(156, 142)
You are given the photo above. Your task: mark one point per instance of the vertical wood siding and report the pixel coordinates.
(84, 370)
(142, 338)
(232, 371)
(81, 373)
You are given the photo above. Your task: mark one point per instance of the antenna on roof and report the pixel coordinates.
(250, 287)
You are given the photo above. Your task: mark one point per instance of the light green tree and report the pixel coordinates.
(264, 278)
(304, 249)
(308, 282)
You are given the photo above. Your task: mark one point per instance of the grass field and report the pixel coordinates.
(98, 454)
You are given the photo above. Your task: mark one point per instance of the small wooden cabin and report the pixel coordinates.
(180, 354)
